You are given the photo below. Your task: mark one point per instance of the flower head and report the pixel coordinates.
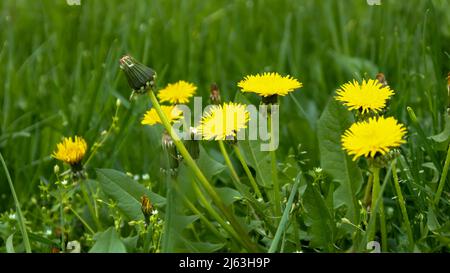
(223, 121)
(172, 113)
(71, 151)
(178, 92)
(372, 137)
(269, 84)
(139, 76)
(368, 96)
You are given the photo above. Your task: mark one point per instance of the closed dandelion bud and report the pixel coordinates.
(192, 145)
(382, 79)
(215, 95)
(171, 151)
(140, 77)
(146, 206)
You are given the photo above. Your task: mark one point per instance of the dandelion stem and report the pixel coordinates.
(368, 191)
(233, 172)
(375, 199)
(82, 221)
(213, 213)
(245, 240)
(89, 205)
(105, 136)
(443, 178)
(247, 171)
(276, 184)
(401, 202)
(20, 218)
(192, 207)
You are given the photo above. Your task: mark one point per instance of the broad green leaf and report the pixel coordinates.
(10, 244)
(228, 195)
(126, 192)
(444, 136)
(258, 160)
(321, 223)
(332, 124)
(108, 242)
(208, 165)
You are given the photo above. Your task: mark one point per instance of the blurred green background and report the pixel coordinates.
(59, 72)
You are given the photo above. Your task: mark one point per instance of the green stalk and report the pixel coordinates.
(61, 216)
(20, 218)
(89, 205)
(401, 202)
(233, 172)
(276, 184)
(201, 177)
(105, 137)
(213, 213)
(82, 221)
(443, 179)
(368, 191)
(375, 199)
(248, 172)
(192, 207)
(285, 217)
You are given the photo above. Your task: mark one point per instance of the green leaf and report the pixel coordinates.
(201, 247)
(10, 244)
(208, 165)
(108, 242)
(229, 195)
(444, 136)
(258, 160)
(332, 124)
(126, 192)
(321, 224)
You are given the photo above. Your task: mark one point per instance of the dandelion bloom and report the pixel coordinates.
(223, 121)
(172, 113)
(178, 92)
(368, 96)
(269, 84)
(71, 151)
(372, 137)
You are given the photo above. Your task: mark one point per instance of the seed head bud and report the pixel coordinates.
(118, 103)
(140, 77)
(382, 79)
(215, 95)
(171, 151)
(192, 144)
(146, 206)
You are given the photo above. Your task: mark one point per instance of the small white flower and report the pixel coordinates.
(136, 177)
(64, 182)
(154, 212)
(146, 176)
(12, 216)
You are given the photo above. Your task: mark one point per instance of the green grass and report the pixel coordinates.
(60, 76)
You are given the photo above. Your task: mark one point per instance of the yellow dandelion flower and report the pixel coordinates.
(71, 151)
(178, 92)
(172, 113)
(223, 121)
(372, 137)
(269, 84)
(368, 96)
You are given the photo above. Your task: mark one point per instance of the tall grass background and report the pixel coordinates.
(59, 72)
